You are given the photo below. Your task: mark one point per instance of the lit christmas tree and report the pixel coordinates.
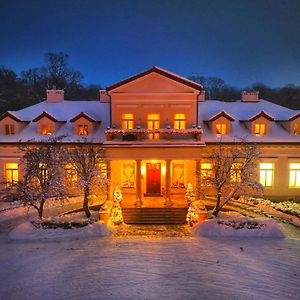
(116, 216)
(189, 195)
(192, 216)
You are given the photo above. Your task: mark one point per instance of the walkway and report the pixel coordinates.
(152, 231)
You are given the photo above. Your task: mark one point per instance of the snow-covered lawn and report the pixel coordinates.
(26, 231)
(141, 268)
(12, 210)
(233, 224)
(78, 226)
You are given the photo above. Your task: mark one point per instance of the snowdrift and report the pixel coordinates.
(238, 228)
(27, 231)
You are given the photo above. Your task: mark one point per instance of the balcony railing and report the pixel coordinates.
(142, 134)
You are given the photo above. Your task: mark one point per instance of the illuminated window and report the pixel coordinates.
(294, 175)
(127, 121)
(71, 174)
(102, 168)
(221, 128)
(178, 175)
(179, 121)
(296, 128)
(206, 169)
(153, 124)
(128, 174)
(46, 129)
(9, 129)
(260, 129)
(83, 129)
(43, 171)
(266, 174)
(11, 173)
(236, 172)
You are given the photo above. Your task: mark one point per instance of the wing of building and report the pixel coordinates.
(156, 128)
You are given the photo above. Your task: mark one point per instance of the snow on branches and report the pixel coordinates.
(89, 165)
(233, 172)
(43, 166)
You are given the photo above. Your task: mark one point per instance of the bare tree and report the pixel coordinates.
(89, 164)
(233, 173)
(43, 175)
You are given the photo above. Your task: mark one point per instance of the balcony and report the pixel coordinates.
(156, 136)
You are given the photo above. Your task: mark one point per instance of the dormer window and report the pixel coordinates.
(127, 121)
(220, 123)
(46, 129)
(221, 129)
(259, 129)
(296, 128)
(84, 124)
(83, 129)
(259, 124)
(179, 121)
(47, 124)
(10, 129)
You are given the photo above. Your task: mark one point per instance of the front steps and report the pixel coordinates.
(154, 215)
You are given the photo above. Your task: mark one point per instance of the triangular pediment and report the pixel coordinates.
(155, 80)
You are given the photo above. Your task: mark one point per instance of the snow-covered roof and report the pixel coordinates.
(240, 110)
(207, 110)
(63, 111)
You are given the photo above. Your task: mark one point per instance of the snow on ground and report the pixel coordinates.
(26, 231)
(52, 207)
(233, 224)
(141, 268)
(9, 205)
(15, 212)
(238, 228)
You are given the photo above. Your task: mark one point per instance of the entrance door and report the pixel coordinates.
(153, 178)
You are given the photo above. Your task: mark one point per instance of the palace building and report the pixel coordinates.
(156, 128)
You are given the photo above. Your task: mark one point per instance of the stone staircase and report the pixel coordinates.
(154, 215)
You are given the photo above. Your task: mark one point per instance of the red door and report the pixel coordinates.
(153, 178)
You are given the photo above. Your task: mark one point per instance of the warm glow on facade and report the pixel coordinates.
(46, 129)
(143, 170)
(153, 122)
(128, 174)
(158, 133)
(260, 129)
(236, 172)
(11, 173)
(83, 129)
(9, 129)
(221, 128)
(178, 175)
(294, 181)
(206, 169)
(71, 174)
(179, 121)
(266, 174)
(127, 121)
(43, 170)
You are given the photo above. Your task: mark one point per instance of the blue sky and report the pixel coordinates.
(240, 41)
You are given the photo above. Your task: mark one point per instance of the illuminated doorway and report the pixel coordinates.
(153, 179)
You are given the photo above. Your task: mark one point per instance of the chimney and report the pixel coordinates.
(201, 96)
(250, 96)
(55, 96)
(104, 97)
